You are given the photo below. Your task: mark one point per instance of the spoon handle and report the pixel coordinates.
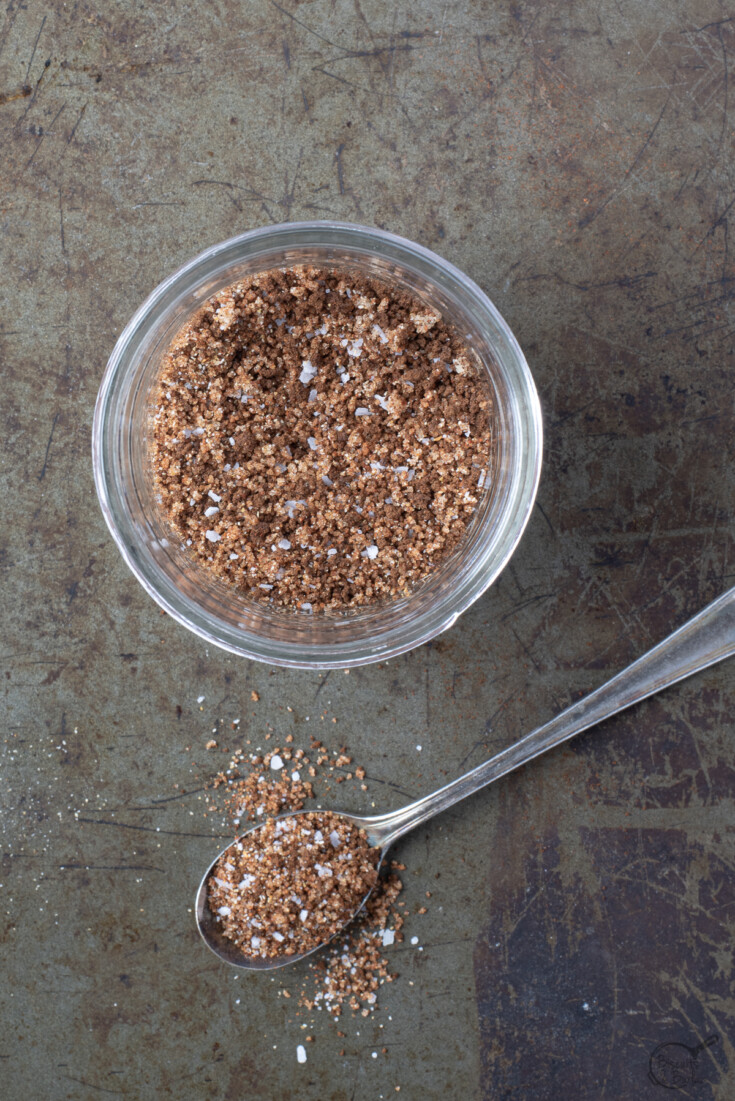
(704, 640)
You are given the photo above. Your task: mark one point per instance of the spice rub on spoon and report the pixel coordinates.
(288, 886)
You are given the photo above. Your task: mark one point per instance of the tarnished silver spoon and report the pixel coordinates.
(704, 640)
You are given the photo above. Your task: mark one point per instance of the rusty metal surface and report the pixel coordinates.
(576, 160)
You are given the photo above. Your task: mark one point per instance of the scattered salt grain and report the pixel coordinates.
(301, 1053)
(276, 762)
(212, 536)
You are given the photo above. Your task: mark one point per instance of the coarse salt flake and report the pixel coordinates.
(211, 511)
(308, 371)
(213, 495)
(276, 762)
(284, 544)
(213, 536)
(301, 1053)
(388, 937)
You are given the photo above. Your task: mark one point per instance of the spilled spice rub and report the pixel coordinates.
(320, 437)
(291, 885)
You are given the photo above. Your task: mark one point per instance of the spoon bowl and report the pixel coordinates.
(230, 952)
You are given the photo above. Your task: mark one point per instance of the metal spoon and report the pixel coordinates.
(704, 640)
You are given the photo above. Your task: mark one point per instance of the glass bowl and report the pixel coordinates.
(214, 609)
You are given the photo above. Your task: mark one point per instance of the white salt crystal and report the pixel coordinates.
(331, 552)
(201, 699)
(224, 910)
(414, 940)
(296, 776)
(318, 836)
(334, 838)
(312, 443)
(361, 411)
(276, 762)
(370, 552)
(284, 544)
(255, 942)
(214, 496)
(313, 395)
(308, 371)
(379, 332)
(304, 915)
(246, 881)
(301, 1053)
(388, 937)
(211, 511)
(212, 536)
(279, 937)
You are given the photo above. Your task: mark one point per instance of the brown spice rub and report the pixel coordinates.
(319, 438)
(292, 884)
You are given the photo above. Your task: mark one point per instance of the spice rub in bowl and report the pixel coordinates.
(320, 438)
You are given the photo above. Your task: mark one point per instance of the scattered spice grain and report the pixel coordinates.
(348, 975)
(319, 438)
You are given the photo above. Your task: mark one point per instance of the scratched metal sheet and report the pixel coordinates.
(576, 160)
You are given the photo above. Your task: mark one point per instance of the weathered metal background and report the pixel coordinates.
(576, 160)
